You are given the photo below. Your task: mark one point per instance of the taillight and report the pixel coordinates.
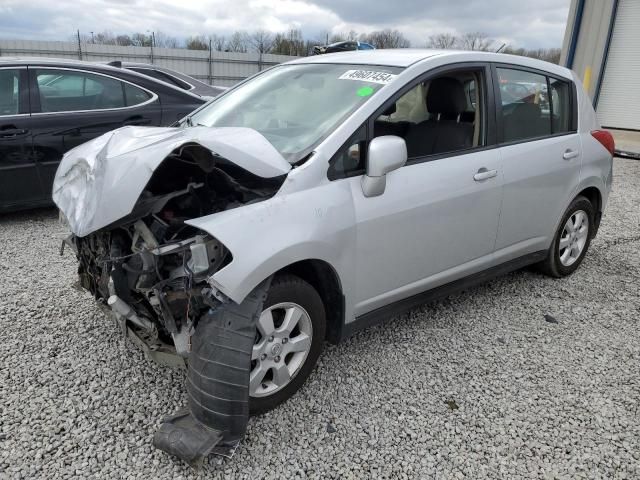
(606, 139)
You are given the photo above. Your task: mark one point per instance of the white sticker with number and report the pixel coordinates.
(368, 76)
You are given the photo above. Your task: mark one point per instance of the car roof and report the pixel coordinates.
(405, 57)
(58, 62)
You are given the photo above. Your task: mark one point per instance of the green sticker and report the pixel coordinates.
(364, 91)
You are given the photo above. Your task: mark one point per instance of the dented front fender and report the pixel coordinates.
(265, 237)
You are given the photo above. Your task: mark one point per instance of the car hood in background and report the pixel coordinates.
(99, 182)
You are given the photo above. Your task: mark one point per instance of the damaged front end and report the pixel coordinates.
(151, 268)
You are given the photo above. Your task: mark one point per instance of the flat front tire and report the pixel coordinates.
(289, 338)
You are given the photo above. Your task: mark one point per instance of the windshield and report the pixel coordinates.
(296, 106)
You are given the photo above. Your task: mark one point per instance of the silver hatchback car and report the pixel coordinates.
(322, 196)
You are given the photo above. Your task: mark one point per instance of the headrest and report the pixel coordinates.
(527, 111)
(446, 95)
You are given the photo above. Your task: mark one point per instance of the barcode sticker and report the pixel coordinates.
(368, 76)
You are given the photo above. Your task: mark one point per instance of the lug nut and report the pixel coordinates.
(277, 359)
(263, 356)
(271, 338)
(285, 340)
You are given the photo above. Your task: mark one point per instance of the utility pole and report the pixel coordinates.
(152, 43)
(79, 46)
(92, 39)
(210, 63)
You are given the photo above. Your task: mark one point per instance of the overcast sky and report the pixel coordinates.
(529, 24)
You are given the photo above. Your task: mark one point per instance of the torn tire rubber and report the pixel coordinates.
(217, 382)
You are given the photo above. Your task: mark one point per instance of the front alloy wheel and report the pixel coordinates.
(289, 337)
(283, 342)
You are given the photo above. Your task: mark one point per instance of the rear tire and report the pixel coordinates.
(278, 348)
(571, 241)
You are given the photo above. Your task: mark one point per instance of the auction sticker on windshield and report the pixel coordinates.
(368, 76)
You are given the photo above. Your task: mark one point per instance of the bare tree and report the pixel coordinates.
(218, 42)
(261, 40)
(237, 42)
(124, 40)
(197, 42)
(442, 41)
(547, 54)
(166, 41)
(141, 40)
(475, 41)
(386, 39)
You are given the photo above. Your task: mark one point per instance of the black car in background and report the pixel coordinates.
(48, 106)
(172, 77)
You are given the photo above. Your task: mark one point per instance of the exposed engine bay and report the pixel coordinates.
(150, 267)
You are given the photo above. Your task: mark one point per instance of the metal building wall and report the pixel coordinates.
(585, 40)
(217, 68)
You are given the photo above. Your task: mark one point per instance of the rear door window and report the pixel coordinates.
(72, 90)
(9, 91)
(525, 104)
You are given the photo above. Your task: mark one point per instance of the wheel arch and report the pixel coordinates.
(324, 278)
(594, 195)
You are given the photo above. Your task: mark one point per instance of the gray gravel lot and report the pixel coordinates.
(476, 386)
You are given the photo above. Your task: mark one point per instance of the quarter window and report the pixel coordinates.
(560, 106)
(9, 92)
(350, 160)
(66, 91)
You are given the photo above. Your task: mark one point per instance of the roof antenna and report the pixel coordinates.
(500, 49)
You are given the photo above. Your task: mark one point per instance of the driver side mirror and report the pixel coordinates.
(386, 153)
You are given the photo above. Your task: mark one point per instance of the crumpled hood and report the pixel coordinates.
(100, 181)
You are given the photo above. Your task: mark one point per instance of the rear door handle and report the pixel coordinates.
(484, 174)
(13, 132)
(569, 154)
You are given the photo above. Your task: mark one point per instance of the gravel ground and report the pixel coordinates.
(479, 385)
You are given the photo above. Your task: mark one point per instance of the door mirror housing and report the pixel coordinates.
(386, 153)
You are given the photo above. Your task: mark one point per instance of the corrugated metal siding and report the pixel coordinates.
(227, 68)
(619, 102)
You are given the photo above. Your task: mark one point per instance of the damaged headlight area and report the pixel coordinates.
(159, 288)
(150, 267)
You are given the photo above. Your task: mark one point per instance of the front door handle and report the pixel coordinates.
(484, 174)
(13, 132)
(569, 154)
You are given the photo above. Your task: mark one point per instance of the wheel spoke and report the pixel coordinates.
(257, 351)
(583, 232)
(565, 256)
(564, 243)
(281, 375)
(256, 377)
(300, 343)
(291, 318)
(569, 225)
(265, 324)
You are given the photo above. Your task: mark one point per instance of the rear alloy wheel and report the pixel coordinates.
(571, 241)
(288, 342)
